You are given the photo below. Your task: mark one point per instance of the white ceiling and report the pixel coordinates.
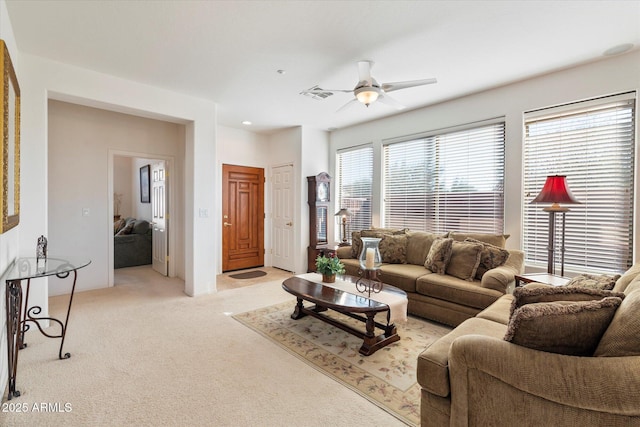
(230, 51)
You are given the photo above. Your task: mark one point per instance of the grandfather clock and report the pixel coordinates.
(318, 199)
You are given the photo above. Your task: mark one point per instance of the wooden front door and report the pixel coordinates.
(242, 217)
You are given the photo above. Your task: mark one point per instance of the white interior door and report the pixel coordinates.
(159, 213)
(282, 223)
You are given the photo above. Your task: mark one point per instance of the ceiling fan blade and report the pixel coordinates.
(347, 105)
(390, 87)
(364, 71)
(386, 99)
(326, 90)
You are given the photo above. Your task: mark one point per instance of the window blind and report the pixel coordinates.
(451, 181)
(355, 178)
(592, 143)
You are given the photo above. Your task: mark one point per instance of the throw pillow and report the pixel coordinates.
(492, 256)
(564, 327)
(465, 259)
(126, 229)
(356, 244)
(591, 281)
(439, 255)
(535, 294)
(499, 240)
(118, 225)
(393, 248)
(622, 337)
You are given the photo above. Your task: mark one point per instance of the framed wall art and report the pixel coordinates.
(10, 134)
(145, 184)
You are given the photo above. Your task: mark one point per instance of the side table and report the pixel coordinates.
(546, 278)
(19, 321)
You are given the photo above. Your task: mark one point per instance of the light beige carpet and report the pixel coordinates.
(387, 377)
(145, 354)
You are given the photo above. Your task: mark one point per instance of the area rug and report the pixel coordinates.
(248, 275)
(386, 378)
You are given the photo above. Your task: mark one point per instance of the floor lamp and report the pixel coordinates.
(555, 191)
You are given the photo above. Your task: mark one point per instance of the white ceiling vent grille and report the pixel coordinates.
(317, 93)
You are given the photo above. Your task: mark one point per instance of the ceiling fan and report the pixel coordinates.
(368, 90)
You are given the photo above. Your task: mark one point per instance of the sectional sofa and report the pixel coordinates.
(477, 271)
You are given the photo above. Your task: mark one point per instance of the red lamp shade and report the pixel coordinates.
(555, 191)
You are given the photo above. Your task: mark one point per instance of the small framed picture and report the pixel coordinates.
(145, 184)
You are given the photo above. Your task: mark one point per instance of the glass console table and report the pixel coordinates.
(18, 322)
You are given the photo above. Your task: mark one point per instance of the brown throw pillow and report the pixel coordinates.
(530, 295)
(622, 337)
(591, 281)
(564, 327)
(492, 256)
(356, 244)
(464, 261)
(439, 255)
(118, 225)
(126, 229)
(393, 248)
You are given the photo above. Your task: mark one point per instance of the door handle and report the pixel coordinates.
(289, 224)
(227, 224)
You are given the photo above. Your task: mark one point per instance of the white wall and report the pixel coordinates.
(614, 75)
(122, 178)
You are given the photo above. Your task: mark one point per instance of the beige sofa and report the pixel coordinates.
(474, 377)
(443, 298)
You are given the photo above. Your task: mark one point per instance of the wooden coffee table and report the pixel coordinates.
(355, 305)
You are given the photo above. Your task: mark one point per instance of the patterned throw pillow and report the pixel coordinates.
(465, 259)
(356, 244)
(439, 255)
(545, 293)
(492, 256)
(118, 225)
(126, 229)
(393, 248)
(564, 327)
(590, 281)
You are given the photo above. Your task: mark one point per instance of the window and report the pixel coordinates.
(592, 143)
(355, 178)
(448, 181)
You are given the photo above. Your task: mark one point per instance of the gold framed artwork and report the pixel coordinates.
(10, 131)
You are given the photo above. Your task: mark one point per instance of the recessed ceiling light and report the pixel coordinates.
(617, 50)
(246, 123)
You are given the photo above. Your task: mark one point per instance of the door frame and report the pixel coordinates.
(170, 167)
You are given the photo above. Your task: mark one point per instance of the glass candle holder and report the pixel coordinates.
(370, 258)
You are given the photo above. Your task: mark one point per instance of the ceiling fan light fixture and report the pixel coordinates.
(367, 94)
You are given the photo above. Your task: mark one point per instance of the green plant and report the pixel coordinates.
(329, 265)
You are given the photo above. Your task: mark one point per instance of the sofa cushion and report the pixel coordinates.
(491, 257)
(393, 248)
(622, 337)
(418, 245)
(439, 255)
(433, 362)
(500, 278)
(140, 226)
(604, 281)
(465, 259)
(499, 240)
(499, 311)
(462, 292)
(402, 276)
(564, 327)
(535, 294)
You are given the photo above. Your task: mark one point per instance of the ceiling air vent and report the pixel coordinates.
(316, 92)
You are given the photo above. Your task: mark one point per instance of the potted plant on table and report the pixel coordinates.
(329, 266)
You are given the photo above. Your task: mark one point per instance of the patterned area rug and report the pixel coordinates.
(387, 377)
